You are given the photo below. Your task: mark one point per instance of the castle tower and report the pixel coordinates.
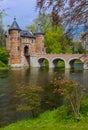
(21, 44)
(14, 44)
(39, 41)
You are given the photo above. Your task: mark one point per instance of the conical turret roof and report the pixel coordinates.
(39, 30)
(14, 25)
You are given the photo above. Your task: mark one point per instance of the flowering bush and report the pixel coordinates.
(72, 93)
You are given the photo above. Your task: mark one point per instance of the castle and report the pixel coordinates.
(27, 49)
(20, 44)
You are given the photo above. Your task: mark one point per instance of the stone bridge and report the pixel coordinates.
(37, 60)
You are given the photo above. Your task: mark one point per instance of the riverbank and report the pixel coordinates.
(49, 120)
(4, 68)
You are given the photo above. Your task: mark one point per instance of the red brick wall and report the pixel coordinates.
(14, 43)
(39, 42)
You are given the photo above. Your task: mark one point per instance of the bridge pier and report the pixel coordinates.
(67, 65)
(34, 61)
(85, 66)
(51, 65)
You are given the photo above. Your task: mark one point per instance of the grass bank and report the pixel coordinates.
(4, 68)
(48, 120)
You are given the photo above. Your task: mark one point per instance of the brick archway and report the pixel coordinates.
(41, 61)
(72, 60)
(56, 60)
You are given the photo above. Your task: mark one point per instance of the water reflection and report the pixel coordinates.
(33, 76)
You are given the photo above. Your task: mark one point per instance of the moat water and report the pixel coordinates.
(35, 77)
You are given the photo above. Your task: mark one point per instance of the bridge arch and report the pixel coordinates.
(43, 61)
(55, 61)
(72, 61)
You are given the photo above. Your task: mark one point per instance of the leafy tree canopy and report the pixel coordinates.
(56, 42)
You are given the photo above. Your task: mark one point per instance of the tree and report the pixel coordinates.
(44, 20)
(71, 12)
(52, 41)
(77, 47)
(56, 42)
(2, 35)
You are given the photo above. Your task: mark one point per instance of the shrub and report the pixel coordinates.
(3, 55)
(51, 99)
(72, 93)
(28, 99)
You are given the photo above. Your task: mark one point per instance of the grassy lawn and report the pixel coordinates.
(49, 120)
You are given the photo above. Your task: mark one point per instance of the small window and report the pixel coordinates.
(43, 49)
(18, 38)
(32, 41)
(18, 48)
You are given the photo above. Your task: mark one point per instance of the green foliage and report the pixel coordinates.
(44, 20)
(56, 42)
(31, 28)
(66, 43)
(46, 63)
(61, 64)
(3, 56)
(80, 48)
(2, 64)
(77, 48)
(28, 99)
(84, 105)
(52, 41)
(51, 99)
(2, 35)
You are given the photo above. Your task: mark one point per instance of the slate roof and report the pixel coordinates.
(39, 30)
(25, 33)
(14, 25)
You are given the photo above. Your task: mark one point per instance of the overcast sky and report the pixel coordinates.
(23, 10)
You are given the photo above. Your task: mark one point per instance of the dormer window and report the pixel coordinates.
(25, 33)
